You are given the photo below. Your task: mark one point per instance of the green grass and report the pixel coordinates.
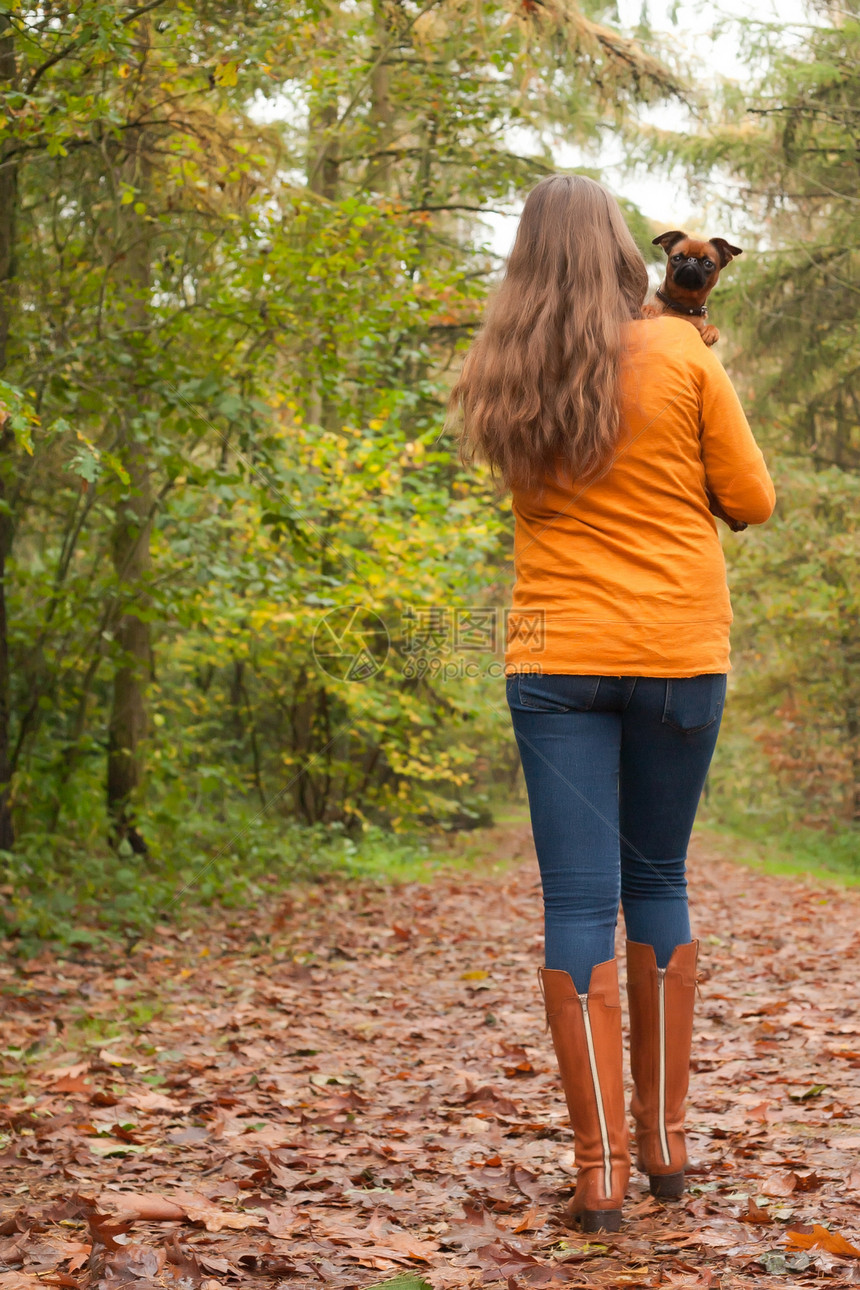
(406, 1281)
(53, 893)
(784, 849)
(421, 858)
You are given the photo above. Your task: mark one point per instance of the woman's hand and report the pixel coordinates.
(737, 526)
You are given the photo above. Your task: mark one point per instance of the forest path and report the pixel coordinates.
(356, 1083)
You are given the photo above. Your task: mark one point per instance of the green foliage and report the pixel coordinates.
(797, 643)
(247, 252)
(53, 890)
(800, 616)
(782, 146)
(405, 1281)
(797, 308)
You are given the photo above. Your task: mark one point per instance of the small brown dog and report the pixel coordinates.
(691, 273)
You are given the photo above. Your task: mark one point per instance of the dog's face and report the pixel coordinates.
(695, 266)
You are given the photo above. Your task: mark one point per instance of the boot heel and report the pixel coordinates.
(600, 1220)
(667, 1186)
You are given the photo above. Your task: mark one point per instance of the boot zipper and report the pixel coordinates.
(661, 1085)
(601, 1116)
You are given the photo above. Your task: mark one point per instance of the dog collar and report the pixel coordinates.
(700, 311)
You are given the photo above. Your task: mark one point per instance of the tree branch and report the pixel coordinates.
(80, 41)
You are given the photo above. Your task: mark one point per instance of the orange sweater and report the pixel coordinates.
(625, 576)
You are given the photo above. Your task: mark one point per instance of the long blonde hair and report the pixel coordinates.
(539, 387)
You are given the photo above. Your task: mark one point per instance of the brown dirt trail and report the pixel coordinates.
(357, 1083)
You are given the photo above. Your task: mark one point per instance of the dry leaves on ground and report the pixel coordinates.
(357, 1083)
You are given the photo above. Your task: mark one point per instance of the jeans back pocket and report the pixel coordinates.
(694, 702)
(556, 692)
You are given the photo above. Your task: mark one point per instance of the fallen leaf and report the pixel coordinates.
(72, 1084)
(533, 1221)
(754, 1214)
(215, 1219)
(822, 1239)
(112, 1059)
(148, 1206)
(150, 1100)
(779, 1184)
(133, 1263)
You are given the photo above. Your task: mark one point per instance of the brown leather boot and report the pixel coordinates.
(661, 1033)
(586, 1035)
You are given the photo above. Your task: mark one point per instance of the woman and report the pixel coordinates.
(612, 434)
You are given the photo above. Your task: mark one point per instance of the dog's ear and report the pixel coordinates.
(668, 240)
(724, 250)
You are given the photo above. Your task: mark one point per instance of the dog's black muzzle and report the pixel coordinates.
(691, 274)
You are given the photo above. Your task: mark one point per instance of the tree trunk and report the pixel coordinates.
(381, 110)
(323, 169)
(851, 706)
(7, 832)
(127, 726)
(323, 158)
(8, 209)
(131, 535)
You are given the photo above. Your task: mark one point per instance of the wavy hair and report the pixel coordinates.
(538, 391)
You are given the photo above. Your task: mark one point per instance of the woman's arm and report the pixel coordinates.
(736, 477)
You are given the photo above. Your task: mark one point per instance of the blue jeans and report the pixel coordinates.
(614, 768)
